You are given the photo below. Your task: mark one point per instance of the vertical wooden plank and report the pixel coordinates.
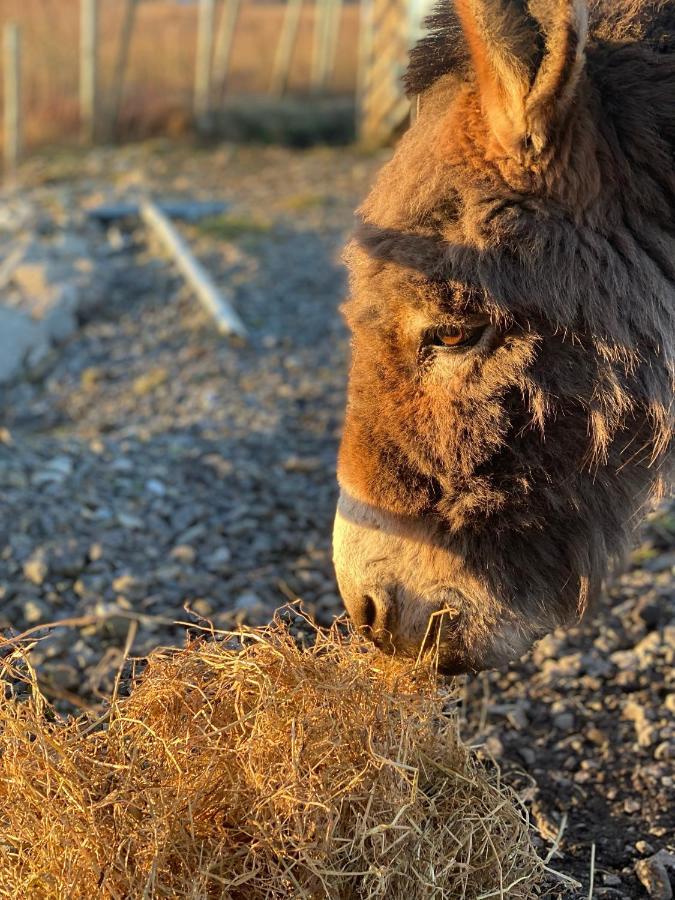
(12, 95)
(384, 109)
(322, 17)
(224, 41)
(285, 47)
(202, 97)
(121, 63)
(88, 67)
(365, 52)
(332, 38)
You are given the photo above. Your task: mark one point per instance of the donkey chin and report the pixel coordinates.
(406, 588)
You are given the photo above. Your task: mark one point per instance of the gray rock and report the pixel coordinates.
(248, 601)
(63, 676)
(156, 487)
(653, 873)
(219, 559)
(564, 722)
(18, 336)
(55, 644)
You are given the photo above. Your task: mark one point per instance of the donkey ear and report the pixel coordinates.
(528, 56)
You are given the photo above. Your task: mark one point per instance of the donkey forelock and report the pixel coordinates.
(513, 301)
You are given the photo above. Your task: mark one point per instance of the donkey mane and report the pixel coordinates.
(443, 50)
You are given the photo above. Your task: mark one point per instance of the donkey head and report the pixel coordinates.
(512, 307)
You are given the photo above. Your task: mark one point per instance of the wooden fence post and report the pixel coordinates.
(120, 71)
(224, 40)
(202, 98)
(88, 67)
(365, 50)
(285, 47)
(12, 95)
(322, 23)
(332, 37)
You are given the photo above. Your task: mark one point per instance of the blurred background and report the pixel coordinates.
(128, 69)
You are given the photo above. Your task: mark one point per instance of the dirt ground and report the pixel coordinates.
(149, 465)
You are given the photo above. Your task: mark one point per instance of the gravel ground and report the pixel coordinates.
(151, 465)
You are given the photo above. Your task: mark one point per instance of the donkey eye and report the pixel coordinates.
(452, 337)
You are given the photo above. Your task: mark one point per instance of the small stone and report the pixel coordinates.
(122, 464)
(156, 487)
(35, 568)
(51, 646)
(596, 736)
(624, 660)
(248, 601)
(131, 587)
(330, 601)
(149, 381)
(494, 746)
(302, 464)
(219, 559)
(650, 611)
(653, 873)
(62, 676)
(183, 553)
(35, 611)
(665, 750)
(202, 607)
(133, 523)
(644, 730)
(566, 667)
(662, 563)
(62, 465)
(190, 535)
(631, 805)
(527, 755)
(564, 722)
(95, 552)
(644, 848)
(90, 587)
(67, 559)
(90, 378)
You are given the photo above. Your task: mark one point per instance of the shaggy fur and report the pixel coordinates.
(535, 197)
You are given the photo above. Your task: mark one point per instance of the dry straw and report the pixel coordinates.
(257, 771)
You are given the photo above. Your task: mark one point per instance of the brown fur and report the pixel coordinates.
(536, 190)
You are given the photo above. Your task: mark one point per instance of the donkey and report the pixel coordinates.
(512, 275)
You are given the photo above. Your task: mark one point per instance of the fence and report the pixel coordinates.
(130, 68)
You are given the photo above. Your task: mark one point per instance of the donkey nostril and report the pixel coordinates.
(369, 612)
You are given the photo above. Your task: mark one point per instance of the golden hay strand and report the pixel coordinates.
(260, 772)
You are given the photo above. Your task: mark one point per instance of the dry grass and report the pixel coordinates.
(262, 772)
(160, 78)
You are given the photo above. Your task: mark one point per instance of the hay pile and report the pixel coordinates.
(265, 772)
